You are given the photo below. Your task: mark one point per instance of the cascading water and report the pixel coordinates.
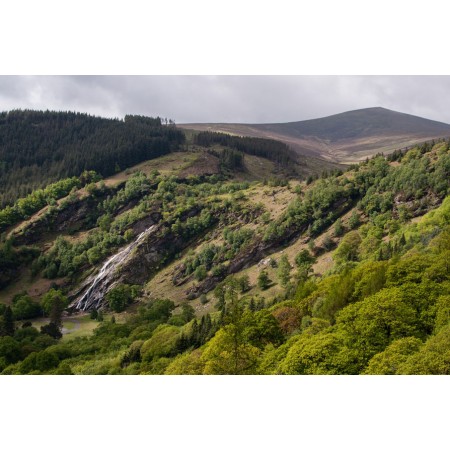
(99, 286)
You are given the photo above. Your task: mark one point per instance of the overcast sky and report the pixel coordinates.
(250, 99)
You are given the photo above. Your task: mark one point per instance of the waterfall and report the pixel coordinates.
(99, 286)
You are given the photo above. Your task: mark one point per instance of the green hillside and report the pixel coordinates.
(229, 266)
(38, 147)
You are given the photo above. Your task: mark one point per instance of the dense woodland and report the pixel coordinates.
(37, 148)
(382, 308)
(273, 150)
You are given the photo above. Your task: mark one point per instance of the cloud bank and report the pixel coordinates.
(248, 99)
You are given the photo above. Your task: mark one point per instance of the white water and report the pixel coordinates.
(99, 286)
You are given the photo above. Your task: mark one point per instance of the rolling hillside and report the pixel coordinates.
(211, 260)
(41, 147)
(347, 137)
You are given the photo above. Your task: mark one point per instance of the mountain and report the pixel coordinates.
(345, 138)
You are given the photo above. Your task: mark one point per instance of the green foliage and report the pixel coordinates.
(68, 143)
(203, 259)
(262, 328)
(267, 148)
(388, 361)
(186, 364)
(162, 343)
(209, 256)
(410, 269)
(334, 293)
(320, 207)
(317, 354)
(200, 273)
(158, 310)
(51, 298)
(133, 354)
(26, 334)
(120, 296)
(227, 353)
(23, 307)
(284, 270)
(7, 323)
(231, 159)
(433, 358)
(304, 258)
(415, 178)
(66, 258)
(12, 258)
(442, 313)
(187, 312)
(354, 220)
(39, 362)
(104, 222)
(10, 351)
(137, 186)
(304, 261)
(338, 228)
(237, 238)
(24, 207)
(369, 278)
(52, 329)
(376, 321)
(263, 280)
(348, 249)
(244, 283)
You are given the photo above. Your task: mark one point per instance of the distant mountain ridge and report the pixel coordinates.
(346, 137)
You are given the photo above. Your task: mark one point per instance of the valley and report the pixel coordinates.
(230, 255)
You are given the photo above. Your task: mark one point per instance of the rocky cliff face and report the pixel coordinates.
(135, 263)
(80, 214)
(257, 250)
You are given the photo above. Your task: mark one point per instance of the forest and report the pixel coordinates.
(268, 148)
(248, 295)
(40, 147)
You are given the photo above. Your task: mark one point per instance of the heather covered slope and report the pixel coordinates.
(347, 137)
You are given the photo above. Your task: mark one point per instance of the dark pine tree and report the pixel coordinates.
(7, 327)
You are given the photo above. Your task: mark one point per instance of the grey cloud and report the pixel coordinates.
(250, 99)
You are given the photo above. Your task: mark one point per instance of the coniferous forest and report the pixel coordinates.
(228, 265)
(267, 148)
(37, 148)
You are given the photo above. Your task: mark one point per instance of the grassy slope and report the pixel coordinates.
(173, 163)
(182, 164)
(275, 200)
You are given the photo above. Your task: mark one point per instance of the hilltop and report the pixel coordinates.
(345, 138)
